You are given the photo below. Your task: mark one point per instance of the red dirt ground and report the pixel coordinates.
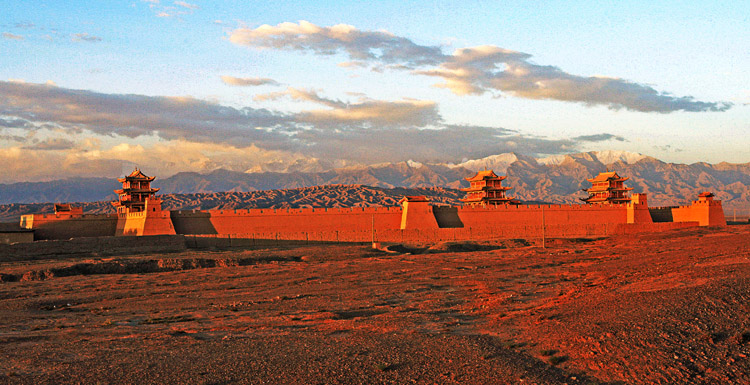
(662, 308)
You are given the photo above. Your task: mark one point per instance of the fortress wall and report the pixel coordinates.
(286, 220)
(553, 215)
(355, 224)
(418, 215)
(639, 213)
(661, 214)
(422, 236)
(688, 213)
(145, 223)
(56, 226)
(707, 213)
(192, 222)
(716, 214)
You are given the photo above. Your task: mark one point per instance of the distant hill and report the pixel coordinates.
(554, 179)
(64, 190)
(320, 196)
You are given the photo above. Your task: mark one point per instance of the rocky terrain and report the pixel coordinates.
(319, 196)
(666, 308)
(557, 179)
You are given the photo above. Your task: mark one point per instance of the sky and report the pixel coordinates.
(94, 88)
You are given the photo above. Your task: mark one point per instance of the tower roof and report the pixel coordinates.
(136, 175)
(605, 176)
(484, 174)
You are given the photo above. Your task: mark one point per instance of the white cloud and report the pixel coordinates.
(247, 82)
(11, 36)
(473, 70)
(186, 5)
(179, 8)
(378, 46)
(416, 113)
(86, 158)
(85, 37)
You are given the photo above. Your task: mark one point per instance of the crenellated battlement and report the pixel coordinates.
(282, 211)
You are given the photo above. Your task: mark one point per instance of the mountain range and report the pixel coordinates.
(319, 196)
(557, 179)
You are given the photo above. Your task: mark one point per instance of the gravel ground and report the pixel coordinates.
(661, 308)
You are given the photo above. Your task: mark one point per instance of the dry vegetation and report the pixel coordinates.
(657, 308)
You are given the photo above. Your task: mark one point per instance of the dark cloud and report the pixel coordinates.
(8, 122)
(12, 138)
(138, 115)
(449, 143)
(51, 144)
(363, 131)
(474, 70)
(668, 148)
(599, 138)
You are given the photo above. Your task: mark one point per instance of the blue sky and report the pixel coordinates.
(92, 87)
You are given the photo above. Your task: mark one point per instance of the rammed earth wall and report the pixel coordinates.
(359, 224)
(57, 226)
(286, 220)
(417, 236)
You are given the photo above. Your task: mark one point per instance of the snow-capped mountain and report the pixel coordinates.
(552, 179)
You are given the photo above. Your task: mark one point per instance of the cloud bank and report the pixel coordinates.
(467, 71)
(57, 129)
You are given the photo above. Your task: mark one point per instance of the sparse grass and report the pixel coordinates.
(554, 360)
(167, 320)
(108, 322)
(384, 367)
(549, 352)
(513, 344)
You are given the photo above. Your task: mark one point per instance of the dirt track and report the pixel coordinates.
(658, 308)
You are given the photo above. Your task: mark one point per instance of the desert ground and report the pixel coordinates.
(666, 308)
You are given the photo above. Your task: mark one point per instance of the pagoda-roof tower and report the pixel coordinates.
(136, 189)
(136, 175)
(607, 187)
(486, 188)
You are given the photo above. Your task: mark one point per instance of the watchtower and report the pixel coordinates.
(136, 190)
(607, 187)
(486, 188)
